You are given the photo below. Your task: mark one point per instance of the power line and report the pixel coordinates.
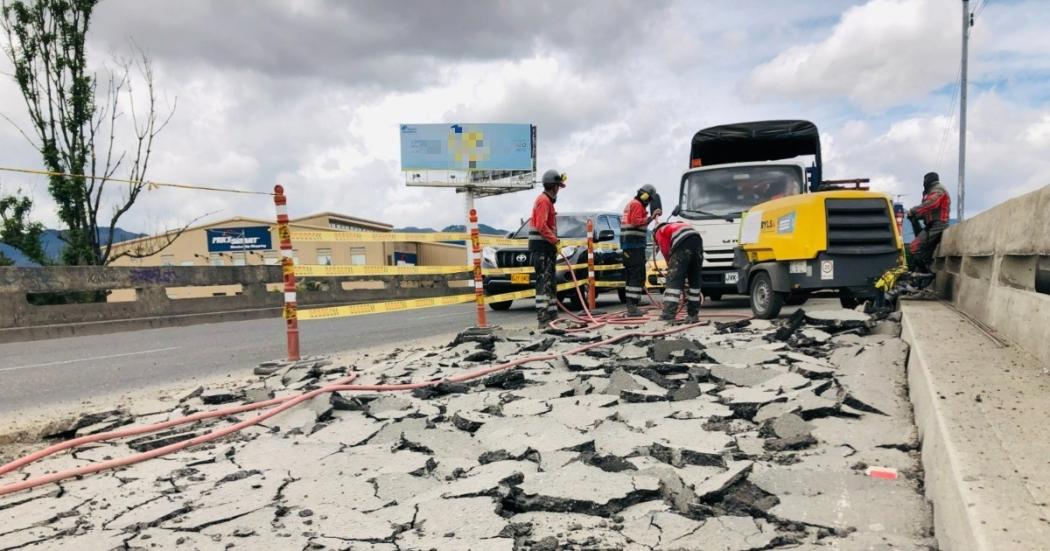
(949, 123)
(984, 4)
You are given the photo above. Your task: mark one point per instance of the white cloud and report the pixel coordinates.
(1006, 153)
(880, 54)
(616, 99)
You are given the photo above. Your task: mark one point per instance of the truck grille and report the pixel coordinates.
(860, 226)
(718, 257)
(513, 259)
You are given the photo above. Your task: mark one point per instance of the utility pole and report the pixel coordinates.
(967, 21)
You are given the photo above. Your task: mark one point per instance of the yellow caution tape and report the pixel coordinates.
(609, 284)
(530, 292)
(376, 236)
(502, 241)
(381, 307)
(572, 285)
(527, 270)
(576, 242)
(315, 270)
(334, 271)
(510, 296)
(607, 267)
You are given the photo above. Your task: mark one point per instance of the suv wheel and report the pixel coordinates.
(765, 302)
(501, 306)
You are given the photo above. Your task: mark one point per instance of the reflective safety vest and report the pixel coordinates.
(672, 235)
(634, 225)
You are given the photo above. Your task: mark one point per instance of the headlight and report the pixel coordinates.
(568, 251)
(488, 255)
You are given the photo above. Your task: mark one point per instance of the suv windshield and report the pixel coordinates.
(569, 227)
(732, 190)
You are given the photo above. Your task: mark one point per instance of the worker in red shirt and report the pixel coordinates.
(544, 247)
(934, 211)
(634, 227)
(683, 248)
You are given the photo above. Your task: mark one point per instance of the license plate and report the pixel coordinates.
(731, 277)
(519, 279)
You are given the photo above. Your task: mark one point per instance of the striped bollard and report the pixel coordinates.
(291, 316)
(592, 291)
(479, 287)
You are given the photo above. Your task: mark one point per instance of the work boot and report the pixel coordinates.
(691, 319)
(633, 311)
(670, 312)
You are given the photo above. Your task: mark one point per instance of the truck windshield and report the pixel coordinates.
(726, 192)
(569, 227)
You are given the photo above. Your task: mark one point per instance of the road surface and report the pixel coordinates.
(39, 373)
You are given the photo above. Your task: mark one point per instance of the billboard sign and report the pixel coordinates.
(254, 238)
(467, 147)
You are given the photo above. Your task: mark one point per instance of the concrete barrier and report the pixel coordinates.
(978, 379)
(153, 306)
(995, 267)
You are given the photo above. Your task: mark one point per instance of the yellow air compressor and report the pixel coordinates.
(842, 240)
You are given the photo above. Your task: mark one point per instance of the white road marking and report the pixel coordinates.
(111, 356)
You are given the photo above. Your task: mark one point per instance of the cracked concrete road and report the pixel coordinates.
(736, 436)
(41, 373)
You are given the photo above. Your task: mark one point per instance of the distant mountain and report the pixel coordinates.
(52, 243)
(482, 228)
(20, 259)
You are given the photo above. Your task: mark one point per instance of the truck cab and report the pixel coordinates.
(734, 167)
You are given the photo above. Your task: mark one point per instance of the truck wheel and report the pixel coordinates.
(574, 300)
(501, 306)
(765, 302)
(849, 301)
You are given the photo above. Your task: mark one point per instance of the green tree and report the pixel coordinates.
(75, 124)
(4, 261)
(16, 229)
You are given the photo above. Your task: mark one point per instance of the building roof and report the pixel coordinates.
(261, 222)
(346, 218)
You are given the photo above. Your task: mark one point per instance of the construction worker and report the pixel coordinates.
(934, 212)
(544, 247)
(634, 228)
(683, 248)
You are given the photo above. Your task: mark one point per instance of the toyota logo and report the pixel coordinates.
(521, 258)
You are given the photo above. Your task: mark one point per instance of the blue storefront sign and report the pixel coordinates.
(467, 147)
(254, 238)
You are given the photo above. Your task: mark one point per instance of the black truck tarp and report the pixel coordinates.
(754, 141)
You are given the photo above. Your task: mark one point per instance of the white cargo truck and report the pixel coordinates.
(734, 167)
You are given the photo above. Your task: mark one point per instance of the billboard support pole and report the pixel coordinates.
(468, 193)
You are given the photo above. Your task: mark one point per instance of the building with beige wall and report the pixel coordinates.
(191, 248)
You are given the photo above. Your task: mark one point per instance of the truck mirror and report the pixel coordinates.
(677, 210)
(606, 235)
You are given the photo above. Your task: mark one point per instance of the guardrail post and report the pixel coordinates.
(291, 315)
(592, 291)
(479, 288)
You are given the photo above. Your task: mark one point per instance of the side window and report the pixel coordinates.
(603, 223)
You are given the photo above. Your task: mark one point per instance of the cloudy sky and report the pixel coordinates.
(310, 93)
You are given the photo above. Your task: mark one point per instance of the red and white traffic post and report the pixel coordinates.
(591, 290)
(291, 316)
(479, 287)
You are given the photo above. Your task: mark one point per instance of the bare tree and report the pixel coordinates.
(77, 131)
